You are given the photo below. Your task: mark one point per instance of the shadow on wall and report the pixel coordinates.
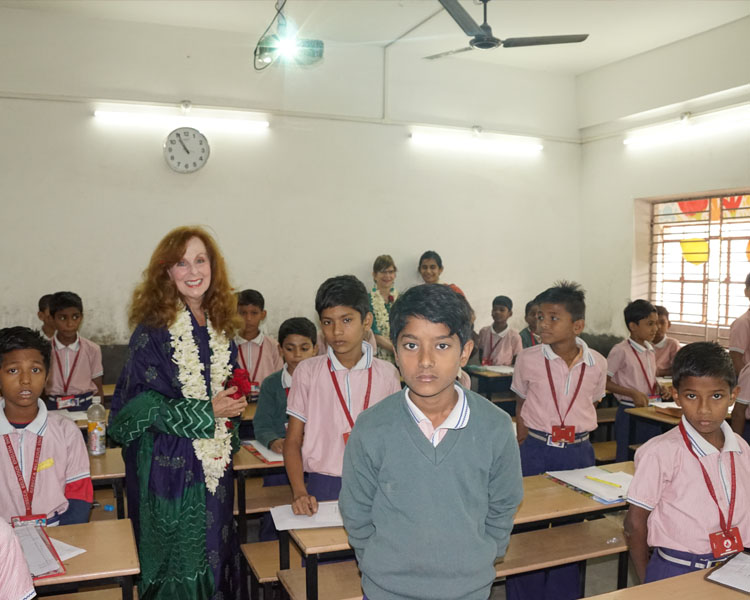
(602, 343)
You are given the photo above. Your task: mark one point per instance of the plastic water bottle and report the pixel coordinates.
(97, 428)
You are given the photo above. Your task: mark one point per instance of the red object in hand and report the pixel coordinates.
(241, 380)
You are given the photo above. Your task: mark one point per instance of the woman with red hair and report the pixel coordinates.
(178, 424)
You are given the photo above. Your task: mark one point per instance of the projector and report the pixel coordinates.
(299, 51)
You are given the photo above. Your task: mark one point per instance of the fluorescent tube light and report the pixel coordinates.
(475, 140)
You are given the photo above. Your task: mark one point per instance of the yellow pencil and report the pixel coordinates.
(617, 485)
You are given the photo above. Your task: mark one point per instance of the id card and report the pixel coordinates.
(486, 362)
(563, 433)
(723, 545)
(254, 390)
(33, 520)
(66, 402)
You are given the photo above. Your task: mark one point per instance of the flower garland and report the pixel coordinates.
(381, 316)
(214, 453)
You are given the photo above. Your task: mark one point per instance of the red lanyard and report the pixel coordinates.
(554, 394)
(725, 525)
(651, 388)
(28, 495)
(341, 396)
(257, 362)
(66, 382)
(493, 346)
(533, 338)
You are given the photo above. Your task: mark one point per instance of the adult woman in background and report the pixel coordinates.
(382, 297)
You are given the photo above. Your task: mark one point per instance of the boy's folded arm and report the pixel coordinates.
(359, 484)
(505, 493)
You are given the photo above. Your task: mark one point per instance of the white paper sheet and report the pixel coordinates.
(664, 404)
(269, 455)
(38, 557)
(328, 515)
(502, 369)
(618, 490)
(735, 573)
(65, 551)
(73, 415)
(664, 381)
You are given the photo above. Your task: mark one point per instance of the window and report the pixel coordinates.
(700, 256)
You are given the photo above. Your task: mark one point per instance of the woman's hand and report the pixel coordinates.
(227, 407)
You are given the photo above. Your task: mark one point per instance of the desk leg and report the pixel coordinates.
(119, 503)
(582, 578)
(311, 576)
(283, 550)
(632, 424)
(622, 570)
(241, 507)
(127, 588)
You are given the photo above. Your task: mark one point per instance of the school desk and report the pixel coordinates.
(545, 501)
(110, 557)
(647, 414)
(108, 390)
(692, 586)
(249, 413)
(110, 468)
(489, 382)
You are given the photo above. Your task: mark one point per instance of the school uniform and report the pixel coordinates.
(665, 351)
(739, 336)
(537, 372)
(742, 402)
(499, 348)
(633, 366)
(669, 483)
(62, 468)
(15, 579)
(323, 346)
(259, 357)
(529, 339)
(72, 372)
(314, 400)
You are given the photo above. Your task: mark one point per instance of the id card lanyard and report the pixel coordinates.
(562, 433)
(257, 362)
(28, 494)
(347, 413)
(66, 382)
(651, 388)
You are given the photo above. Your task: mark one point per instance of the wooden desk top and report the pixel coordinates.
(649, 412)
(109, 465)
(543, 499)
(249, 413)
(109, 390)
(606, 415)
(692, 586)
(478, 371)
(244, 460)
(110, 551)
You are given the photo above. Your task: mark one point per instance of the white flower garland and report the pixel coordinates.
(380, 314)
(214, 453)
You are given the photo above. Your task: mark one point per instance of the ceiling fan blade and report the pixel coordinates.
(448, 53)
(460, 16)
(544, 40)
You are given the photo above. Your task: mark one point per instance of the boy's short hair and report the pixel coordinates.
(251, 297)
(298, 326)
(703, 359)
(44, 302)
(661, 312)
(503, 301)
(529, 305)
(23, 338)
(62, 300)
(747, 281)
(637, 310)
(431, 254)
(437, 304)
(567, 293)
(343, 290)
(383, 262)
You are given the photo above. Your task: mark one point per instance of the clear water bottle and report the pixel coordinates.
(97, 428)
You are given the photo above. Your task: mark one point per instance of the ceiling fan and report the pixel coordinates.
(482, 38)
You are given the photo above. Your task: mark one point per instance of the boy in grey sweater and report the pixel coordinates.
(432, 475)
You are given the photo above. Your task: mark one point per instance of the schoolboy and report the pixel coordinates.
(632, 374)
(48, 323)
(665, 347)
(76, 371)
(557, 385)
(257, 353)
(498, 343)
(529, 335)
(38, 442)
(329, 392)
(739, 336)
(681, 499)
(432, 475)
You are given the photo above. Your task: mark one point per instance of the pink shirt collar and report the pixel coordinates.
(60, 346)
(364, 363)
(586, 355)
(37, 426)
(457, 419)
(703, 448)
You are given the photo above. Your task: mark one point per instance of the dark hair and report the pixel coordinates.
(503, 301)
(382, 262)
(529, 304)
(343, 290)
(62, 300)
(747, 281)
(298, 326)
(703, 359)
(23, 338)
(254, 297)
(567, 293)
(44, 302)
(638, 310)
(434, 256)
(662, 312)
(437, 304)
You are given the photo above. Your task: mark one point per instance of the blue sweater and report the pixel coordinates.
(424, 521)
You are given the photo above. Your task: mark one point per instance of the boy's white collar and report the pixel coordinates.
(364, 363)
(60, 346)
(587, 357)
(644, 348)
(37, 426)
(703, 448)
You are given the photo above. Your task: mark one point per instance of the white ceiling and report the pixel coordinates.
(617, 29)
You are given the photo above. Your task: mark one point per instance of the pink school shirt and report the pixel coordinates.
(625, 370)
(323, 346)
(248, 352)
(531, 383)
(499, 348)
(63, 460)
(15, 579)
(668, 481)
(457, 419)
(743, 396)
(739, 336)
(665, 351)
(313, 400)
(88, 367)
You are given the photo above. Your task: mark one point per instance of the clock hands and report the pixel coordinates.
(184, 147)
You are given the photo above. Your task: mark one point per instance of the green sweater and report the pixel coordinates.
(270, 415)
(424, 521)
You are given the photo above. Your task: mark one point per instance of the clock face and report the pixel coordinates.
(186, 150)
